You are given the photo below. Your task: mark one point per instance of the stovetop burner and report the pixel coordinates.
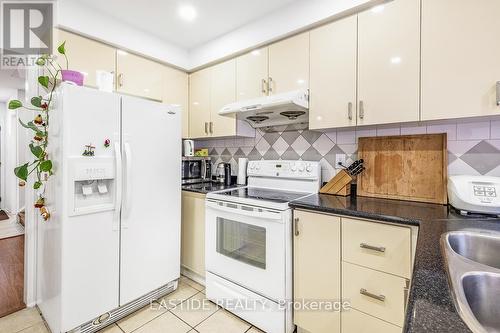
(264, 194)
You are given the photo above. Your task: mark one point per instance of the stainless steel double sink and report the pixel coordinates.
(473, 264)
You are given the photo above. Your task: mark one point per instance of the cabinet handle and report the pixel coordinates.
(361, 110)
(120, 80)
(206, 127)
(349, 110)
(296, 226)
(211, 128)
(264, 85)
(371, 247)
(270, 85)
(498, 93)
(365, 292)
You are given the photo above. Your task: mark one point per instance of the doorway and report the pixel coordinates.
(12, 238)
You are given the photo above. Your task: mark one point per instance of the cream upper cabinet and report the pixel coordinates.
(289, 64)
(139, 76)
(222, 92)
(333, 75)
(315, 276)
(193, 232)
(85, 55)
(389, 63)
(199, 103)
(460, 58)
(252, 75)
(175, 91)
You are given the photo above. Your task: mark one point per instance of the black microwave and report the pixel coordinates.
(196, 169)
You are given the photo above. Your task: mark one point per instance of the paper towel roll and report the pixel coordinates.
(242, 171)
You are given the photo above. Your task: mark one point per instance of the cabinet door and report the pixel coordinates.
(289, 64)
(139, 76)
(85, 55)
(460, 58)
(222, 92)
(176, 92)
(389, 60)
(316, 272)
(251, 74)
(333, 75)
(193, 232)
(199, 103)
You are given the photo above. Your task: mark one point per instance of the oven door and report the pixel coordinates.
(246, 245)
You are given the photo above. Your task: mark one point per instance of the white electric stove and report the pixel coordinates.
(248, 242)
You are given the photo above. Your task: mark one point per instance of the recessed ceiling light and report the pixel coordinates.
(121, 52)
(255, 52)
(187, 12)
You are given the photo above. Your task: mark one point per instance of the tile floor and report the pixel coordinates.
(173, 314)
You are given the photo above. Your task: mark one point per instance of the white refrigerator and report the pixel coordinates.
(113, 241)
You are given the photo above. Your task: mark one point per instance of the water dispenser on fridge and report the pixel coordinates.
(92, 183)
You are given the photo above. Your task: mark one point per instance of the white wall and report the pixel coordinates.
(9, 183)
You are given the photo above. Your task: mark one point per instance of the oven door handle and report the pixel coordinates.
(250, 211)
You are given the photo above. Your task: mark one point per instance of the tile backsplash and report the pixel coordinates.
(473, 145)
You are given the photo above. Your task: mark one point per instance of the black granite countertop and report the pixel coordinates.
(208, 187)
(430, 304)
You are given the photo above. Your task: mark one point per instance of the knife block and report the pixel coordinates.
(338, 185)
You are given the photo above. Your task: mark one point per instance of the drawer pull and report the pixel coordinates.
(380, 298)
(380, 249)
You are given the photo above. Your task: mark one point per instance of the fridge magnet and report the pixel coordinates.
(107, 142)
(89, 150)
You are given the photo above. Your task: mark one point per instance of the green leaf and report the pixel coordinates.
(36, 101)
(21, 171)
(14, 104)
(36, 150)
(62, 49)
(41, 134)
(37, 185)
(46, 166)
(44, 81)
(40, 61)
(30, 125)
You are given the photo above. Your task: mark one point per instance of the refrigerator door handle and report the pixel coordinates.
(118, 187)
(127, 184)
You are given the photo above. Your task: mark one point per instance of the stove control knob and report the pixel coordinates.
(301, 168)
(251, 166)
(293, 167)
(257, 167)
(309, 168)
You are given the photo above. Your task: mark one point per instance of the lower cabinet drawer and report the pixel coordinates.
(384, 247)
(354, 321)
(375, 293)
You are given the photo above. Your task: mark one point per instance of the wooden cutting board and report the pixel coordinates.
(409, 167)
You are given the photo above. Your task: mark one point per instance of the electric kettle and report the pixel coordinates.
(188, 148)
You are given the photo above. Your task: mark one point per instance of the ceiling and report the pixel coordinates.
(160, 17)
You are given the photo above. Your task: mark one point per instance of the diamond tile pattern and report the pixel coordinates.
(483, 157)
(465, 156)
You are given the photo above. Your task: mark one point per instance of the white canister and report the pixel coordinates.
(242, 171)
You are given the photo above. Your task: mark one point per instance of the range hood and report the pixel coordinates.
(291, 108)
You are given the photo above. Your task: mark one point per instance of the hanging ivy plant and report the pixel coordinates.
(41, 166)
